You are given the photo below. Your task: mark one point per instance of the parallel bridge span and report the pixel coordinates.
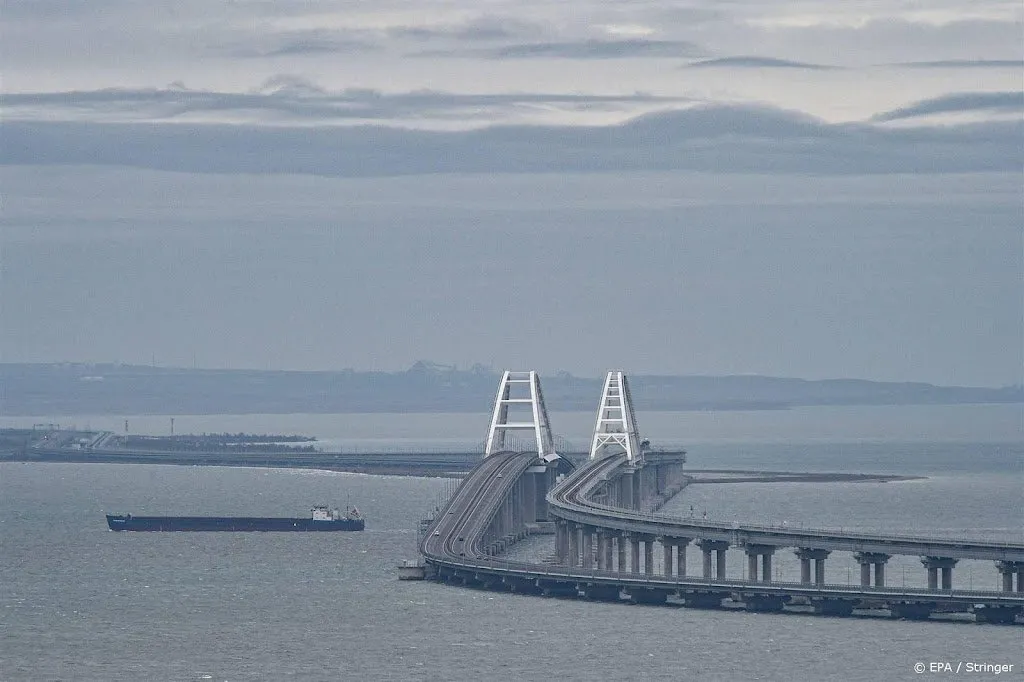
(572, 502)
(599, 530)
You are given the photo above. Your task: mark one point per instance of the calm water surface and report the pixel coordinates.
(78, 602)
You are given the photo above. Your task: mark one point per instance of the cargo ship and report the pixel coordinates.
(322, 518)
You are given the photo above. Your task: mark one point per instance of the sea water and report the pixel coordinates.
(79, 602)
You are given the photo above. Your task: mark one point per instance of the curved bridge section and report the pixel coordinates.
(501, 501)
(606, 531)
(594, 535)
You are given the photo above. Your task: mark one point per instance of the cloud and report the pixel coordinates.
(1009, 102)
(581, 49)
(965, 64)
(316, 42)
(290, 98)
(756, 63)
(483, 28)
(713, 138)
(827, 38)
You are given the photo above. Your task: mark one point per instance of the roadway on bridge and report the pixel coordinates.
(571, 502)
(453, 541)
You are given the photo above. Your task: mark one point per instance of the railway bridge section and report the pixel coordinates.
(612, 544)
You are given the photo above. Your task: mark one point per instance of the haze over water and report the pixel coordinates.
(78, 602)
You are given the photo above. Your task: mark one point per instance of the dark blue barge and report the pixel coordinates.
(322, 519)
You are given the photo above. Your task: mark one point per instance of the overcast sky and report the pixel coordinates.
(782, 187)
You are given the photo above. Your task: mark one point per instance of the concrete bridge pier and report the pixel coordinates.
(528, 497)
(512, 504)
(866, 561)
(1008, 569)
(677, 548)
(717, 547)
(588, 546)
(561, 542)
(764, 552)
(620, 546)
(574, 544)
(668, 556)
(648, 554)
(545, 483)
(626, 485)
(604, 549)
(936, 564)
(612, 492)
(651, 481)
(634, 552)
(806, 554)
(637, 479)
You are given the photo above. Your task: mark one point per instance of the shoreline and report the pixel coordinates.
(429, 466)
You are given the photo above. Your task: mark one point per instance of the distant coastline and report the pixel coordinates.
(76, 388)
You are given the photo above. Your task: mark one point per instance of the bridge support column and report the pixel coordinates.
(544, 483)
(604, 549)
(638, 487)
(529, 498)
(574, 544)
(588, 546)
(668, 556)
(620, 545)
(649, 554)
(936, 564)
(806, 554)
(765, 553)
(718, 547)
(1008, 569)
(661, 477)
(681, 544)
(561, 551)
(625, 484)
(634, 553)
(514, 503)
(866, 561)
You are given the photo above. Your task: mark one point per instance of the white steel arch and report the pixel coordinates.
(616, 422)
(528, 393)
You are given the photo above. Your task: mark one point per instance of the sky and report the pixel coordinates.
(780, 187)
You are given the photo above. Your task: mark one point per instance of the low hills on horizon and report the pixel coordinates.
(81, 388)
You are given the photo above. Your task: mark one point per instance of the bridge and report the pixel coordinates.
(604, 514)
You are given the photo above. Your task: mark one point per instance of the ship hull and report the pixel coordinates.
(229, 523)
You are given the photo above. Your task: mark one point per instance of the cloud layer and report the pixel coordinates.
(287, 98)
(708, 138)
(961, 102)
